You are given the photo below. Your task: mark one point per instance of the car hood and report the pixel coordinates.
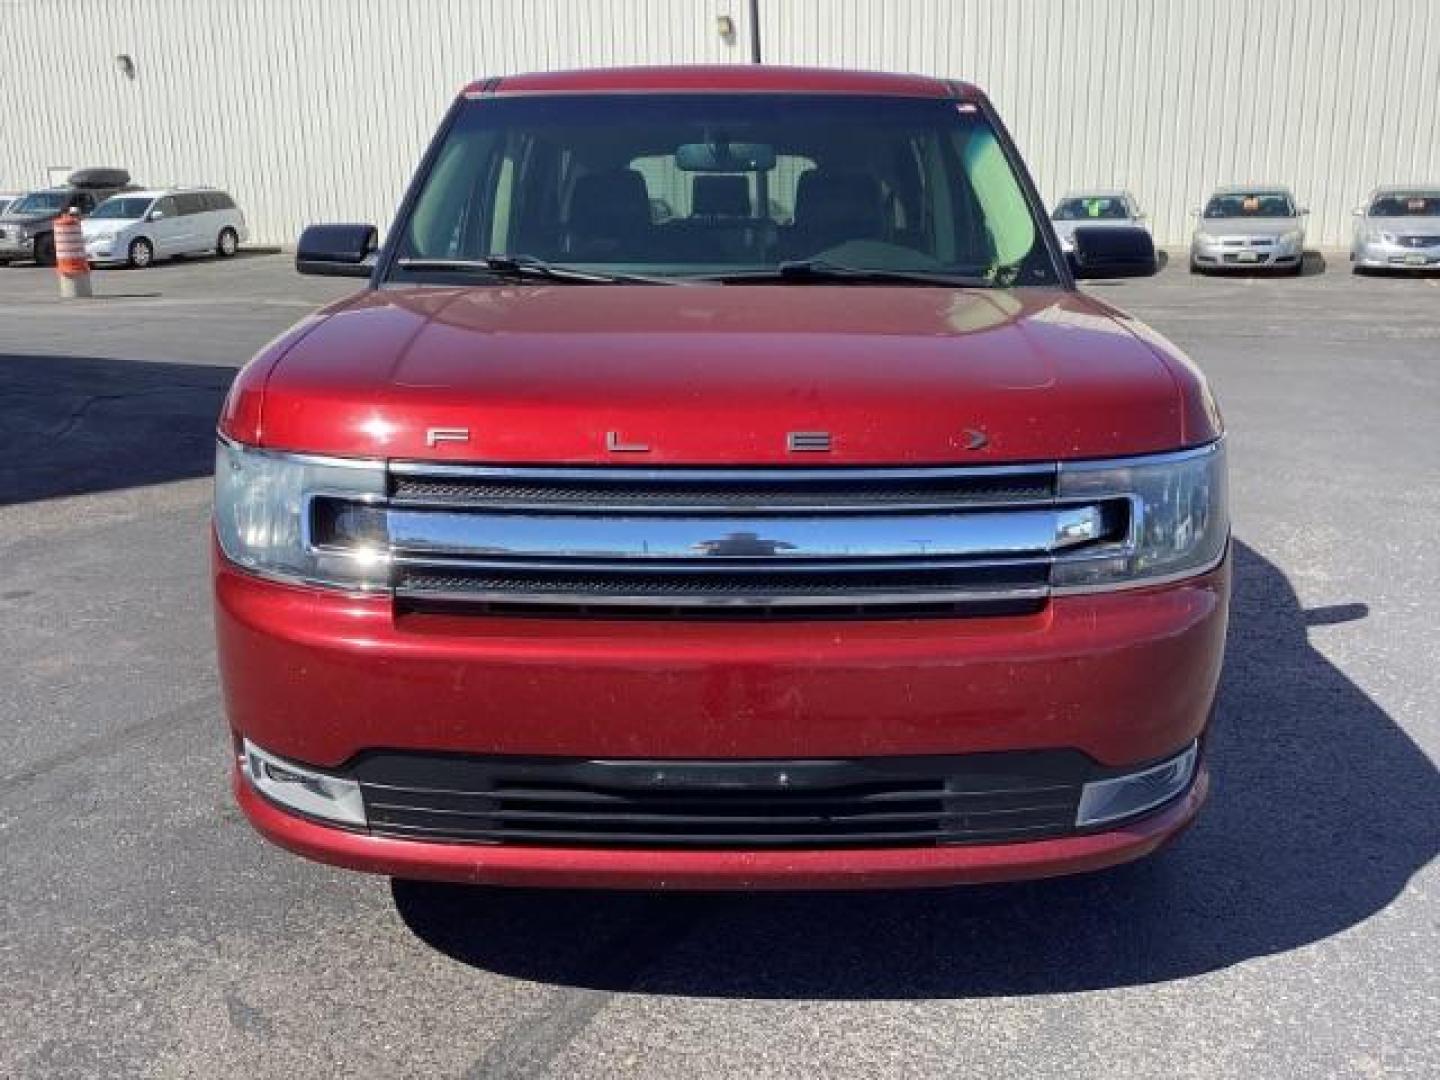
(1405, 226)
(714, 374)
(1248, 226)
(1067, 228)
(106, 226)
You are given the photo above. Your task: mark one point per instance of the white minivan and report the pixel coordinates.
(138, 227)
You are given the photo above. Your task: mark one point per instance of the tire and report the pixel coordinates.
(1195, 267)
(45, 249)
(1298, 270)
(141, 253)
(227, 244)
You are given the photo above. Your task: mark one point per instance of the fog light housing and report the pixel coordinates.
(314, 794)
(1134, 793)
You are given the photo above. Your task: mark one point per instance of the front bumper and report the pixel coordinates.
(12, 247)
(1379, 255)
(587, 868)
(105, 250)
(1220, 256)
(319, 678)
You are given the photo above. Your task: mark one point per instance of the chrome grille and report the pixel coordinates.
(709, 542)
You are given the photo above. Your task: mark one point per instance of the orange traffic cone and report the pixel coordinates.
(70, 262)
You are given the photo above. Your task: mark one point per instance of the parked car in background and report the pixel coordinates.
(139, 227)
(27, 227)
(1098, 209)
(846, 543)
(1249, 228)
(1397, 228)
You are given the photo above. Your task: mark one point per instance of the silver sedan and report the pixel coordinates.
(1249, 228)
(1095, 209)
(1397, 228)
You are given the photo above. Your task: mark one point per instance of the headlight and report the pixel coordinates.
(265, 507)
(1377, 237)
(1204, 238)
(1179, 518)
(1290, 238)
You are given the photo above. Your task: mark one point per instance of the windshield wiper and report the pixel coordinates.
(526, 266)
(802, 271)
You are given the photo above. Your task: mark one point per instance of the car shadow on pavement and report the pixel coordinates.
(70, 425)
(1322, 810)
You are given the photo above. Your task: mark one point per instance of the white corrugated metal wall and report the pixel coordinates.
(318, 109)
(1169, 97)
(308, 110)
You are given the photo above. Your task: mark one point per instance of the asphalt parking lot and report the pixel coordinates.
(145, 931)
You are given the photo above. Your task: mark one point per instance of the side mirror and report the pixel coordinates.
(156, 215)
(1113, 253)
(337, 250)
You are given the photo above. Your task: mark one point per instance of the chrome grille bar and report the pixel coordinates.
(784, 539)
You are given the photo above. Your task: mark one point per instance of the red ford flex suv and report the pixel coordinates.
(720, 483)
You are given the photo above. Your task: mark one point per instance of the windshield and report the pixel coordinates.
(129, 209)
(710, 184)
(1407, 204)
(1250, 204)
(1092, 208)
(39, 202)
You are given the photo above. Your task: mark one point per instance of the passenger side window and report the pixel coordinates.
(189, 204)
(166, 206)
(219, 200)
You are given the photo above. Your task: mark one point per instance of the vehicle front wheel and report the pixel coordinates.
(142, 254)
(227, 244)
(45, 250)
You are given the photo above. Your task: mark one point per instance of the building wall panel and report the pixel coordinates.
(316, 110)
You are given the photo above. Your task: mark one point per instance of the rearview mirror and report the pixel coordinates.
(337, 250)
(1112, 253)
(725, 157)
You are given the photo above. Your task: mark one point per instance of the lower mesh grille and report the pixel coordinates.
(767, 804)
(695, 489)
(716, 585)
